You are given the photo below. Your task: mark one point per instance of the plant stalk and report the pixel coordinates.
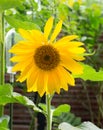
(49, 112)
(2, 57)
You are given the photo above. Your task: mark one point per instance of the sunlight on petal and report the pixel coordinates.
(56, 31)
(48, 27)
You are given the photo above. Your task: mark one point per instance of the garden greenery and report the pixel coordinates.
(82, 18)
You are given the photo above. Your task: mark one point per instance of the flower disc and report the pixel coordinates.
(46, 57)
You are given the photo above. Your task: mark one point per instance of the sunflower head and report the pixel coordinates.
(47, 65)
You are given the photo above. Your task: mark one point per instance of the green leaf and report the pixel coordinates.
(60, 109)
(6, 94)
(25, 101)
(6, 89)
(7, 4)
(90, 73)
(6, 99)
(4, 120)
(76, 6)
(83, 126)
(22, 99)
(66, 117)
(63, 11)
(17, 23)
(43, 106)
(56, 111)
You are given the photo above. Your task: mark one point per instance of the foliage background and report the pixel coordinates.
(83, 18)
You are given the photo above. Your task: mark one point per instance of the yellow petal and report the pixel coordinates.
(62, 79)
(42, 83)
(51, 86)
(25, 34)
(71, 65)
(32, 80)
(38, 37)
(34, 87)
(74, 44)
(45, 81)
(22, 77)
(66, 77)
(48, 27)
(19, 49)
(66, 49)
(65, 40)
(56, 81)
(26, 71)
(18, 67)
(72, 51)
(78, 57)
(56, 31)
(53, 82)
(77, 50)
(19, 58)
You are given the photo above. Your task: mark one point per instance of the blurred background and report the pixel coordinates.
(80, 17)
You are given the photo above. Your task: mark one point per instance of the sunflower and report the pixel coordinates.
(47, 65)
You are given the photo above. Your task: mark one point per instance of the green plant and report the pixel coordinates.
(66, 117)
(83, 20)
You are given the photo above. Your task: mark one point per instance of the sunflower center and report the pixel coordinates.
(46, 57)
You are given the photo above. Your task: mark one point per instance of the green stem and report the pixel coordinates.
(2, 57)
(49, 112)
